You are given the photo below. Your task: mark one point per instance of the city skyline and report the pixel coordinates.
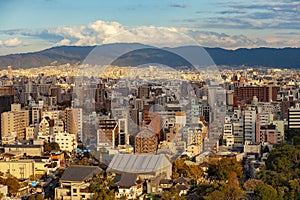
(228, 24)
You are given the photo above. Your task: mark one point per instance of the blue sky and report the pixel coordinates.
(38, 24)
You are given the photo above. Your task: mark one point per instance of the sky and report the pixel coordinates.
(32, 25)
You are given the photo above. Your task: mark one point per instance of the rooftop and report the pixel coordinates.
(80, 173)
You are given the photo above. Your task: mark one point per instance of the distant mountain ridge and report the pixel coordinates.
(266, 57)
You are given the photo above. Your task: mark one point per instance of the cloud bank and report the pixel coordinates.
(102, 32)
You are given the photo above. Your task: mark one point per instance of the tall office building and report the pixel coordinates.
(15, 122)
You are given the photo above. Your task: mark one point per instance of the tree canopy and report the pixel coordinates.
(51, 146)
(12, 183)
(221, 168)
(101, 186)
(282, 171)
(181, 168)
(230, 190)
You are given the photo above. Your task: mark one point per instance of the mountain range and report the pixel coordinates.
(255, 57)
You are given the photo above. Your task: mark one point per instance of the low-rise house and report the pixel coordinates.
(166, 184)
(182, 185)
(130, 187)
(74, 183)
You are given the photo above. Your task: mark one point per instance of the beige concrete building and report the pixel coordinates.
(73, 121)
(15, 122)
(21, 169)
(29, 150)
(66, 141)
(30, 132)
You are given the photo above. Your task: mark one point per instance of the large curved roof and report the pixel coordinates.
(138, 163)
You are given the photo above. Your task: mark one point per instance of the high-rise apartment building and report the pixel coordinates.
(263, 93)
(73, 121)
(294, 117)
(249, 124)
(15, 122)
(6, 101)
(146, 141)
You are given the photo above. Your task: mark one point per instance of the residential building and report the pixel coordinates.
(263, 93)
(66, 141)
(146, 141)
(24, 149)
(21, 169)
(73, 121)
(130, 186)
(75, 182)
(269, 134)
(15, 121)
(107, 134)
(294, 117)
(249, 124)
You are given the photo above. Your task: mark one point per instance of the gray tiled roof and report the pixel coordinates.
(128, 180)
(80, 173)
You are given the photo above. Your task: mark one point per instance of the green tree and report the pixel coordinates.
(294, 191)
(51, 146)
(251, 185)
(221, 168)
(282, 170)
(101, 186)
(265, 192)
(231, 190)
(181, 168)
(225, 192)
(292, 136)
(36, 197)
(12, 183)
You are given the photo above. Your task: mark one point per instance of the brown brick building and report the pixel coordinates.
(263, 93)
(146, 141)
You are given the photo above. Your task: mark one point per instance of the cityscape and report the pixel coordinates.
(120, 109)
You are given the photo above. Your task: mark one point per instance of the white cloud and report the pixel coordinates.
(102, 32)
(64, 42)
(1, 43)
(13, 42)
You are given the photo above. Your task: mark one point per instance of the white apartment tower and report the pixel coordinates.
(294, 117)
(249, 124)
